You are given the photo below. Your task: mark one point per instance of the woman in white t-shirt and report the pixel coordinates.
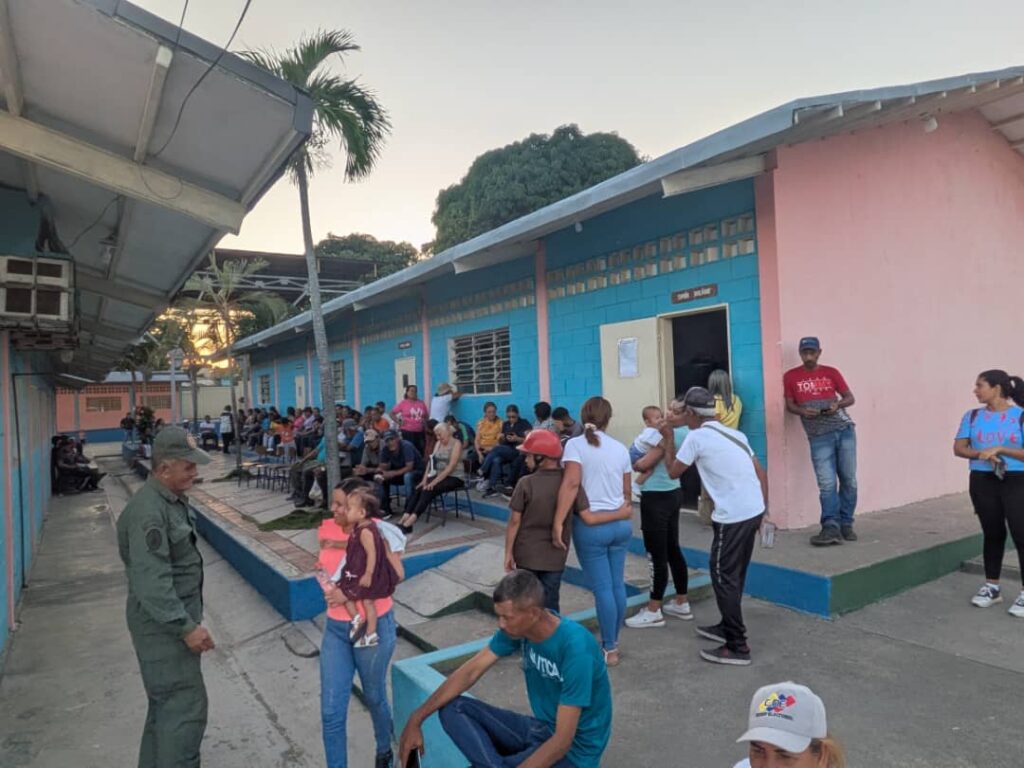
(601, 465)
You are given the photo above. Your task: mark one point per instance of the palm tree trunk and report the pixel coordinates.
(319, 336)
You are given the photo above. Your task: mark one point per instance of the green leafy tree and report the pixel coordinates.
(504, 184)
(217, 294)
(386, 256)
(343, 111)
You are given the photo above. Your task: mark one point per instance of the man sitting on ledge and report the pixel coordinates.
(566, 681)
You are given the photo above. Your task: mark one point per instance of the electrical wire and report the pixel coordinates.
(96, 221)
(209, 69)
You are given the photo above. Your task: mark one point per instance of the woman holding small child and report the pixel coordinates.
(348, 541)
(660, 499)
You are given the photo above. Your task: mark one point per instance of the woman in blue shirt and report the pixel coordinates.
(992, 438)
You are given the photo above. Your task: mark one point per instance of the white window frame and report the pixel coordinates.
(263, 387)
(488, 356)
(338, 377)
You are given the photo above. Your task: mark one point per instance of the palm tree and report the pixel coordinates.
(342, 111)
(217, 294)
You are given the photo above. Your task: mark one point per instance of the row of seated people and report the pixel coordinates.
(70, 468)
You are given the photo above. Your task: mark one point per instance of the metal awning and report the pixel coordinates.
(91, 93)
(732, 153)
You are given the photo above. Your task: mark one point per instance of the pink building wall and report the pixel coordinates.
(91, 420)
(904, 252)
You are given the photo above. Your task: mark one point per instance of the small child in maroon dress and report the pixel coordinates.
(367, 574)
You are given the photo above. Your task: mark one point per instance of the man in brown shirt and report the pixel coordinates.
(528, 543)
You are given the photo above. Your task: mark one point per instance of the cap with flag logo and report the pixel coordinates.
(786, 715)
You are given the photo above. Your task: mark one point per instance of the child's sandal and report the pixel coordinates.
(368, 641)
(358, 628)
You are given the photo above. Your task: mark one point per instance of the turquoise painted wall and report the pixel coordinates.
(575, 320)
(503, 296)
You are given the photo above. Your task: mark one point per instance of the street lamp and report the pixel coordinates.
(176, 356)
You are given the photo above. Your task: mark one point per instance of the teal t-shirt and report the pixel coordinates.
(567, 668)
(321, 451)
(659, 479)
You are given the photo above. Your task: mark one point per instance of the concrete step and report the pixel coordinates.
(1010, 572)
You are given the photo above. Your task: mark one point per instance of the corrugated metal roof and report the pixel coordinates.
(998, 95)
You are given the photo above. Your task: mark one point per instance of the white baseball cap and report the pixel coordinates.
(786, 715)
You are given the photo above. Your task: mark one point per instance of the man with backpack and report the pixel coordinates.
(736, 482)
(819, 395)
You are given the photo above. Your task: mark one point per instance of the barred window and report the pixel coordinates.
(338, 379)
(158, 402)
(103, 404)
(264, 387)
(480, 363)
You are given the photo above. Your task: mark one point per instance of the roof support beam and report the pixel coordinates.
(13, 94)
(68, 155)
(1006, 122)
(134, 296)
(109, 330)
(701, 178)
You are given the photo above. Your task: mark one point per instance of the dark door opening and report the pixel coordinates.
(700, 345)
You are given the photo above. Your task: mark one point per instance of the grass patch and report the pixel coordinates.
(297, 519)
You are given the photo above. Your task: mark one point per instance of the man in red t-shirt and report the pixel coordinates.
(819, 395)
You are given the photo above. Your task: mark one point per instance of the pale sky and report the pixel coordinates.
(460, 77)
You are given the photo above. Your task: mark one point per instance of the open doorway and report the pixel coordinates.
(700, 345)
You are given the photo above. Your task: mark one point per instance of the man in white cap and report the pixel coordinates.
(787, 726)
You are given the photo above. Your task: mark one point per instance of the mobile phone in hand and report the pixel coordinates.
(413, 760)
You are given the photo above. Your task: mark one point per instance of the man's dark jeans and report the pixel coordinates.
(489, 737)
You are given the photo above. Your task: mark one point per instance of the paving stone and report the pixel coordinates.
(483, 566)
(453, 530)
(457, 629)
(430, 592)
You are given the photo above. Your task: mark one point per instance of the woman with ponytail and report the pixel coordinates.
(992, 439)
(601, 465)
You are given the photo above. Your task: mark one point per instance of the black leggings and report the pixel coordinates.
(659, 520)
(421, 499)
(418, 439)
(999, 504)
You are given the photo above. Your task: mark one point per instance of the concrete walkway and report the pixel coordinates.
(71, 695)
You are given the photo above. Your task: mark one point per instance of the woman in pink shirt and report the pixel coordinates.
(339, 660)
(412, 417)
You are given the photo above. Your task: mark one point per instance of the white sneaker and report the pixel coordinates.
(988, 596)
(645, 618)
(1017, 609)
(672, 608)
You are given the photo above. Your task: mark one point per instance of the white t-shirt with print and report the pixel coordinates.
(440, 407)
(646, 440)
(602, 467)
(726, 470)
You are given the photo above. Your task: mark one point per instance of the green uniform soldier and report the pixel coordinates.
(156, 536)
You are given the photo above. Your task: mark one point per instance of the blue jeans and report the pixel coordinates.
(496, 459)
(835, 455)
(407, 481)
(489, 737)
(601, 550)
(339, 662)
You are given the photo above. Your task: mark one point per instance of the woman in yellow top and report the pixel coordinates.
(488, 430)
(728, 405)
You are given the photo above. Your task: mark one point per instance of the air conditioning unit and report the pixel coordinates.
(37, 301)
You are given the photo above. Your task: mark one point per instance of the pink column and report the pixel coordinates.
(425, 390)
(771, 345)
(356, 394)
(540, 283)
(8, 421)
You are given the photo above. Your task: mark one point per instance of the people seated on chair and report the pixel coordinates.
(566, 425)
(542, 416)
(305, 472)
(566, 684)
(384, 418)
(208, 433)
(74, 469)
(370, 463)
(442, 476)
(400, 464)
(350, 444)
(312, 432)
(488, 430)
(504, 454)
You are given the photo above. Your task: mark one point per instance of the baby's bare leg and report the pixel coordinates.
(371, 615)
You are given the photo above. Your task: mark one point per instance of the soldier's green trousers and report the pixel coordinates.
(176, 720)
